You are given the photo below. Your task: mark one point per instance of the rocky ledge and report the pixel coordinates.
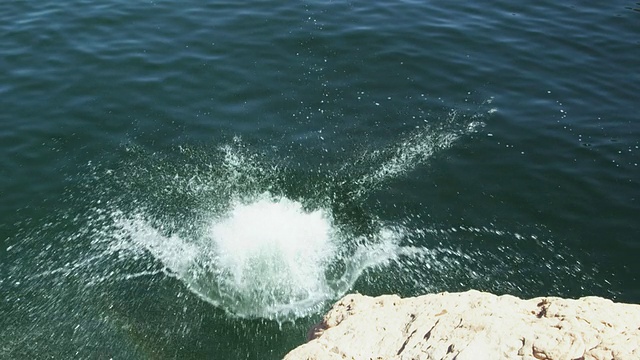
(474, 325)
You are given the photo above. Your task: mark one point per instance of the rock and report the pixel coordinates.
(474, 325)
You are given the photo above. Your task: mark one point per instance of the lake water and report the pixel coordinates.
(198, 180)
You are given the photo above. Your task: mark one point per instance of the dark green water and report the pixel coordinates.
(189, 180)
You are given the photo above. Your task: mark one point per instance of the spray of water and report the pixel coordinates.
(256, 252)
(253, 237)
(264, 257)
(258, 239)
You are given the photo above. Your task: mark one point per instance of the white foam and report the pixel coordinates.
(272, 252)
(266, 256)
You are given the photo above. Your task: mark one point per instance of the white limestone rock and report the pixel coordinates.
(474, 325)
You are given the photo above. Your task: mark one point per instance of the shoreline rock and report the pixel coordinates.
(474, 325)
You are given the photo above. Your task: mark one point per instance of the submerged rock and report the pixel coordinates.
(474, 325)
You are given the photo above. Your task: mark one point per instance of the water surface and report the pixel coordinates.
(203, 180)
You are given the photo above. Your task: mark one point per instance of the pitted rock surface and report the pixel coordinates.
(474, 325)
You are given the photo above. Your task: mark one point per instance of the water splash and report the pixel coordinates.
(248, 235)
(416, 149)
(413, 150)
(265, 257)
(255, 251)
